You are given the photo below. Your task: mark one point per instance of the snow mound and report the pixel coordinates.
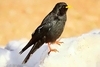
(81, 51)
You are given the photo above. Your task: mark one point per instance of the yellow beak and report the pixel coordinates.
(68, 6)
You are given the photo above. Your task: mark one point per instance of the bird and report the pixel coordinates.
(49, 30)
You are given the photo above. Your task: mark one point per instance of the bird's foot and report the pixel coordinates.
(52, 50)
(58, 42)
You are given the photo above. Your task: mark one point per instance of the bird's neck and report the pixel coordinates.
(59, 13)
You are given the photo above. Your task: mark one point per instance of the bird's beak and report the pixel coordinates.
(68, 6)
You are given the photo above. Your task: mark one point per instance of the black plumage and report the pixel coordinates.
(49, 30)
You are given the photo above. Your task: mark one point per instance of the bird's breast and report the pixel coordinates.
(55, 31)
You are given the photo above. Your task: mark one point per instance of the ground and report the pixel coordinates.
(81, 51)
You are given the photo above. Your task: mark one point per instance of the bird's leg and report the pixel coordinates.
(53, 50)
(57, 42)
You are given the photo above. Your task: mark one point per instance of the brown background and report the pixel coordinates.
(19, 18)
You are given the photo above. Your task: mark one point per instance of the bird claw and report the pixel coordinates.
(58, 42)
(53, 50)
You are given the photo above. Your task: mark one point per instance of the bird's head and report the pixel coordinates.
(61, 8)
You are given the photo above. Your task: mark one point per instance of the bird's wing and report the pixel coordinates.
(37, 39)
(39, 33)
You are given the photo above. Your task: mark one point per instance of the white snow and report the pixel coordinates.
(81, 51)
(10, 57)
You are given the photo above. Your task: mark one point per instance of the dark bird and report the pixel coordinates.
(49, 30)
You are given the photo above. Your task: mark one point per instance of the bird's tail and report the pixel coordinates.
(27, 46)
(33, 49)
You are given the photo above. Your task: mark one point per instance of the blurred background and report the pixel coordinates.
(19, 18)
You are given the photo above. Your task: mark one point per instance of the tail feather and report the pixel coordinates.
(33, 49)
(30, 43)
(29, 54)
